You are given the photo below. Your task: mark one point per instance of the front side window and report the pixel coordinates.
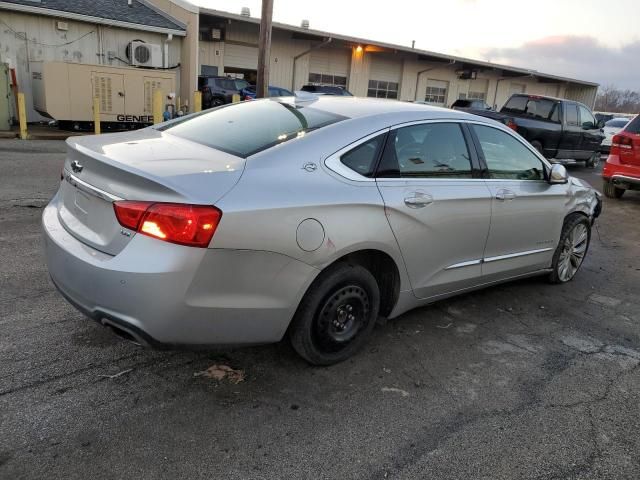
(586, 119)
(429, 150)
(246, 128)
(506, 157)
(382, 89)
(362, 158)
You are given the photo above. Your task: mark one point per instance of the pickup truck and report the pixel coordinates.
(562, 130)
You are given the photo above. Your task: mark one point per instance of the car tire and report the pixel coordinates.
(336, 316)
(611, 191)
(593, 161)
(572, 248)
(216, 102)
(537, 145)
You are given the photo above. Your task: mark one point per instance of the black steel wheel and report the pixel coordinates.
(336, 315)
(611, 191)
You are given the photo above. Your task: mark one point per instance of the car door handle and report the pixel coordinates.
(418, 201)
(504, 195)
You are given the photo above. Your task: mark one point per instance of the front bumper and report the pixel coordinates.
(166, 294)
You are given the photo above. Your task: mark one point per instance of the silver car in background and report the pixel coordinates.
(309, 217)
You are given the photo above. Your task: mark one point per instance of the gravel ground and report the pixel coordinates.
(524, 380)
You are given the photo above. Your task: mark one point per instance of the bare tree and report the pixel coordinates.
(612, 99)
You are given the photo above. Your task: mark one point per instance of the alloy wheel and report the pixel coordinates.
(573, 252)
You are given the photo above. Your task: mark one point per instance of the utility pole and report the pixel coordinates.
(264, 49)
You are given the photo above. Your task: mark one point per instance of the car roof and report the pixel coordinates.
(357, 107)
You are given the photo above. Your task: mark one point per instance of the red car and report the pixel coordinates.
(622, 170)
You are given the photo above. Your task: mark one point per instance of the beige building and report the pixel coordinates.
(192, 40)
(300, 55)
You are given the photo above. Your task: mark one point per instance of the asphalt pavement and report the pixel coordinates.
(520, 381)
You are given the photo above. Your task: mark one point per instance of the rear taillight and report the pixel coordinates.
(622, 141)
(191, 225)
(247, 97)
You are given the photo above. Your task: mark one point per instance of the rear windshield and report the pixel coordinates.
(245, 128)
(634, 125)
(539, 108)
(617, 123)
(461, 103)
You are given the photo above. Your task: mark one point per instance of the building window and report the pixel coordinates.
(325, 79)
(382, 89)
(436, 94)
(477, 95)
(478, 89)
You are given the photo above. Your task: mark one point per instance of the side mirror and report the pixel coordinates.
(558, 174)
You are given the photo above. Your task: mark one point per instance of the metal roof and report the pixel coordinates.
(140, 15)
(513, 71)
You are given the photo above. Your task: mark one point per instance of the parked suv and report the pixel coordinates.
(327, 90)
(218, 91)
(622, 170)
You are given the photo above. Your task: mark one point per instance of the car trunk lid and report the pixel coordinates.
(144, 165)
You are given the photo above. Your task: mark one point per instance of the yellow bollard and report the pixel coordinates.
(197, 101)
(96, 115)
(235, 98)
(22, 116)
(157, 106)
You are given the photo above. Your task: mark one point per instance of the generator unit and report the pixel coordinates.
(65, 92)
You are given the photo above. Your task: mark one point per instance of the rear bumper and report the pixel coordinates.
(621, 173)
(165, 294)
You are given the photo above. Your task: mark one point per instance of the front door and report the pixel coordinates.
(591, 135)
(527, 212)
(438, 208)
(571, 134)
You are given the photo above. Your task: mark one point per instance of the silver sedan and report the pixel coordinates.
(308, 217)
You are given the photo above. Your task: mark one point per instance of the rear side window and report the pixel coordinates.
(506, 157)
(362, 158)
(634, 125)
(246, 128)
(430, 150)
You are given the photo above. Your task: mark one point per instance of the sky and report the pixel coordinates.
(586, 39)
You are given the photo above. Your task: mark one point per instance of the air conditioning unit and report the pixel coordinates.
(145, 54)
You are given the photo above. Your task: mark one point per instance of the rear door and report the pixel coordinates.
(437, 205)
(527, 212)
